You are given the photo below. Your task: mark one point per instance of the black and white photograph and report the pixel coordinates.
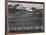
(25, 17)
